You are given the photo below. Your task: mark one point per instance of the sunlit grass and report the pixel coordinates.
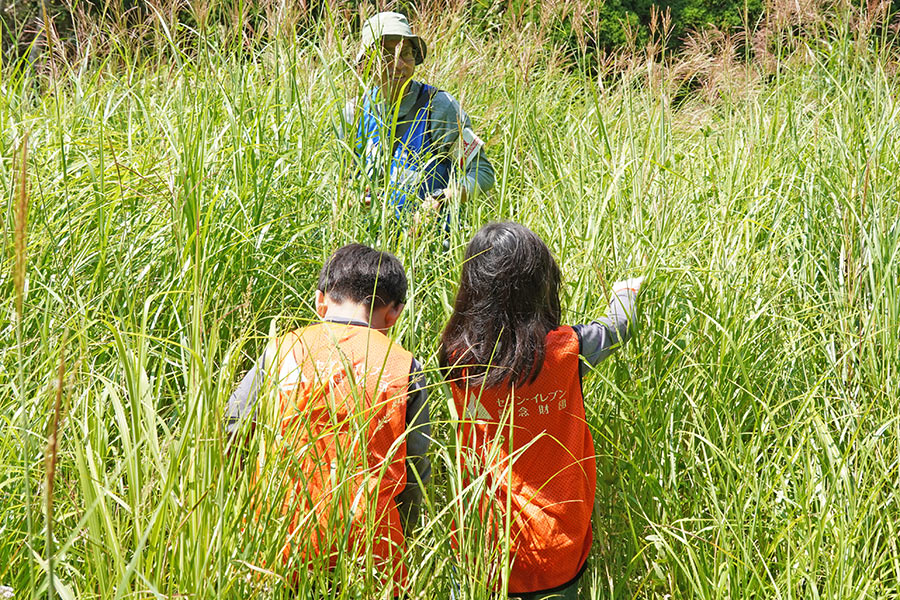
(179, 208)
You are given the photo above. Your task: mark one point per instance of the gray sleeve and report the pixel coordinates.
(447, 120)
(347, 120)
(242, 401)
(418, 427)
(599, 338)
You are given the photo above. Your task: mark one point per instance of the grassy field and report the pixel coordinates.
(179, 204)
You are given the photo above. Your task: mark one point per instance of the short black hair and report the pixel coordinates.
(363, 275)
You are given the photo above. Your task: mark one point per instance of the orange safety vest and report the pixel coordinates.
(342, 392)
(539, 457)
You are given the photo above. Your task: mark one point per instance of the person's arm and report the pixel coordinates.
(448, 121)
(598, 339)
(348, 133)
(242, 402)
(418, 427)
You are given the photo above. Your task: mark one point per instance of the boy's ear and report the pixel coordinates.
(321, 305)
(392, 313)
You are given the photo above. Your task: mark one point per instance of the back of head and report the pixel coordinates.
(363, 275)
(507, 302)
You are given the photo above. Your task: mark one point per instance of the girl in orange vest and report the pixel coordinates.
(515, 375)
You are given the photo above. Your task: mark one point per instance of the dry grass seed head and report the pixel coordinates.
(709, 61)
(781, 14)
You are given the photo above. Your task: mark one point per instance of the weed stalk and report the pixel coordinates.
(20, 237)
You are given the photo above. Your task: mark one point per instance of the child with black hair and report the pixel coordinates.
(515, 375)
(350, 416)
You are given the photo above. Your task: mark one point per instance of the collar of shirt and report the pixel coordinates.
(345, 321)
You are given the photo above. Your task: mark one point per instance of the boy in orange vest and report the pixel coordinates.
(350, 417)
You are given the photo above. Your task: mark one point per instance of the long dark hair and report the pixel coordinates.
(507, 302)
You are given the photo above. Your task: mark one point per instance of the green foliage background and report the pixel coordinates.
(618, 24)
(613, 24)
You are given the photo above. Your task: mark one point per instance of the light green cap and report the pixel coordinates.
(390, 24)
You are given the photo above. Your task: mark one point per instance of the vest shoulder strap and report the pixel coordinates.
(423, 100)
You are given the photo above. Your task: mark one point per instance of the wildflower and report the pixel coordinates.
(6, 592)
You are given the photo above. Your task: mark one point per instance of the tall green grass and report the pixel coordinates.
(180, 204)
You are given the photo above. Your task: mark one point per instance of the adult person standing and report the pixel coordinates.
(433, 156)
